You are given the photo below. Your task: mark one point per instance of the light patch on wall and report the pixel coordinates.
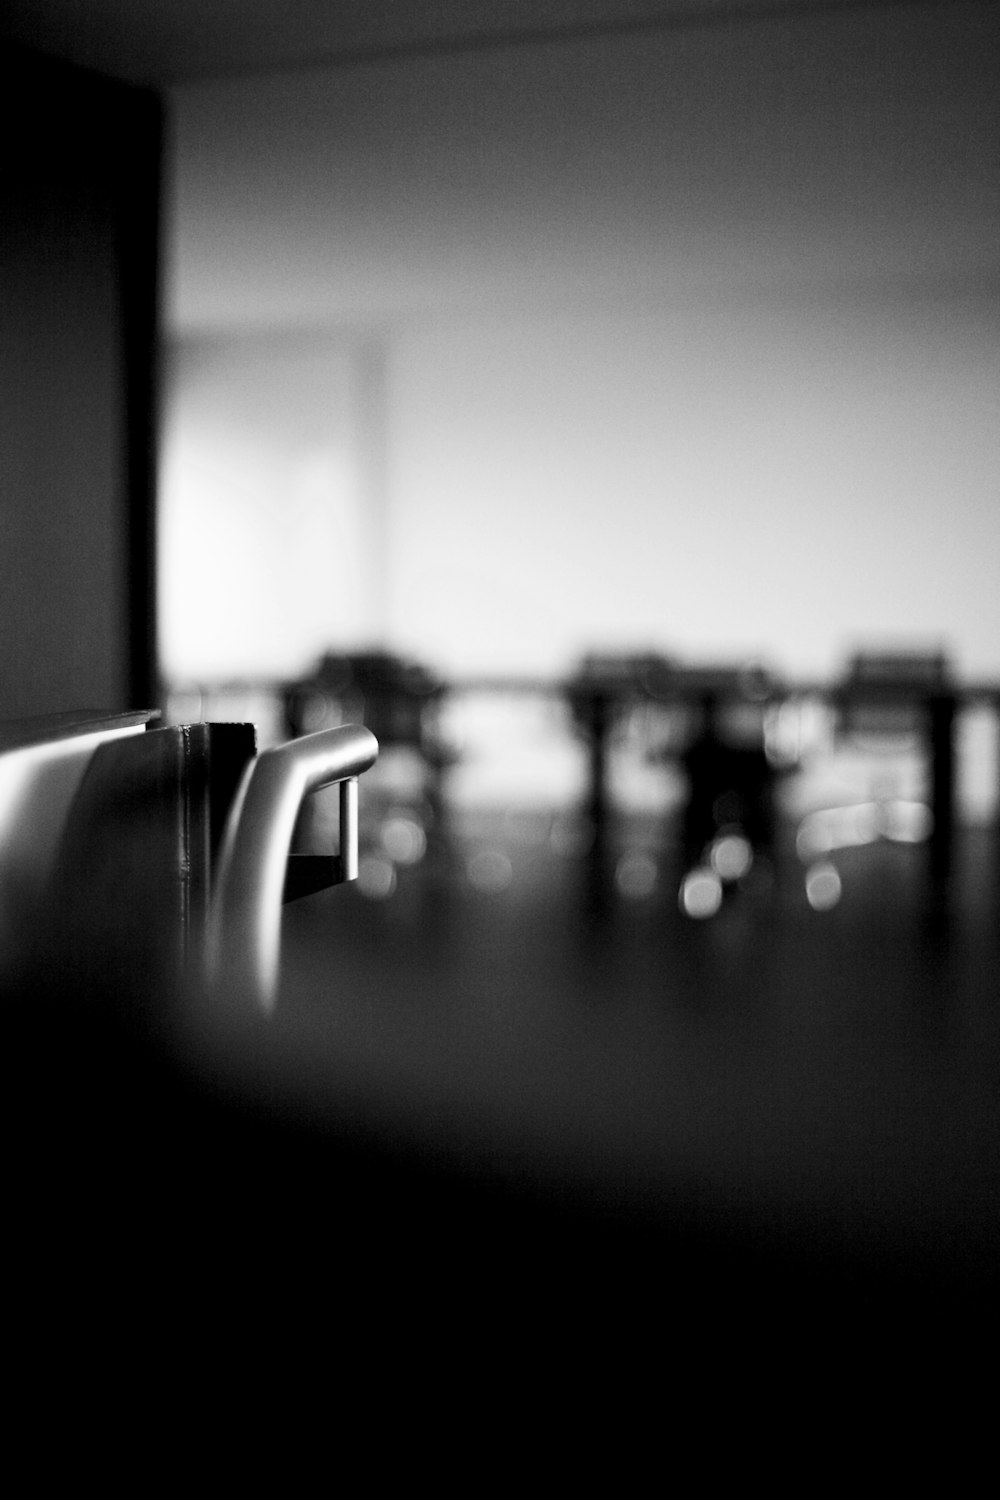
(263, 542)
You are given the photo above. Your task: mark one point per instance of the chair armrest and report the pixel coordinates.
(244, 927)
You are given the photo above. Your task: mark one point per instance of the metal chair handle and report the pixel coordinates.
(244, 927)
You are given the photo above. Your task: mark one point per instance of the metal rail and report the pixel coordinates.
(244, 930)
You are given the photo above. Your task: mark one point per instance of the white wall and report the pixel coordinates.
(266, 549)
(786, 479)
(691, 341)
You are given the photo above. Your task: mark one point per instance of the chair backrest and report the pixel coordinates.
(390, 695)
(885, 696)
(123, 821)
(166, 854)
(42, 764)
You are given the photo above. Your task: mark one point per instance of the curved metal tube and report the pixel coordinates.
(244, 928)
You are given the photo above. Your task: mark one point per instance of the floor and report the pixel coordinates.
(807, 1085)
(515, 1102)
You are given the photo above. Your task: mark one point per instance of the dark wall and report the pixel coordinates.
(79, 208)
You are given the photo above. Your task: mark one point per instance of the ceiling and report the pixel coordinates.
(168, 42)
(693, 148)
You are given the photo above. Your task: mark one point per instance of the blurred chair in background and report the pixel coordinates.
(400, 701)
(611, 696)
(728, 832)
(708, 725)
(894, 736)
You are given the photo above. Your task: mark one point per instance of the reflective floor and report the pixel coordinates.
(515, 1098)
(816, 1077)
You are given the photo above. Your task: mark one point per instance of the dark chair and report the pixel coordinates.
(894, 709)
(718, 740)
(731, 779)
(609, 695)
